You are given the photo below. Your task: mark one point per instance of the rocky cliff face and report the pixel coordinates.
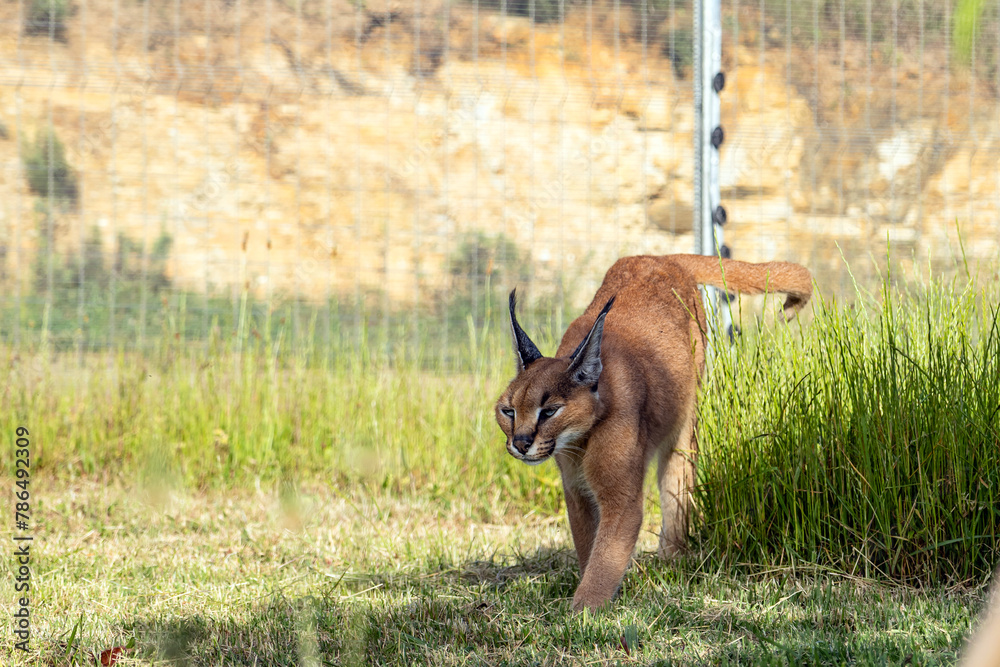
(324, 150)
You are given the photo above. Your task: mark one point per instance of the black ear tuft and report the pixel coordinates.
(604, 312)
(523, 347)
(585, 367)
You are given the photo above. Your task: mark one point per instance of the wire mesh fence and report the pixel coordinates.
(352, 171)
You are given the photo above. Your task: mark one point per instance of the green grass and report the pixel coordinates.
(239, 419)
(359, 577)
(99, 298)
(867, 440)
(238, 499)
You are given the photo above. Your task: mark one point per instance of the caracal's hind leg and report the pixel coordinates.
(675, 477)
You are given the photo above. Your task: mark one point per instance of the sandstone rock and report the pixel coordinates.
(354, 166)
(671, 216)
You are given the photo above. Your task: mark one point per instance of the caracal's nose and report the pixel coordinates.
(522, 443)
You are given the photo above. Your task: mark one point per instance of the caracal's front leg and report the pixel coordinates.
(617, 486)
(583, 514)
(675, 477)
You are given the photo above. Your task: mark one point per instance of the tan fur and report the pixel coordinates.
(984, 648)
(646, 357)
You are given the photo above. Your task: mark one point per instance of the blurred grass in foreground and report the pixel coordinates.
(247, 410)
(864, 439)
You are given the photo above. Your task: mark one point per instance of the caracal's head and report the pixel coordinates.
(553, 402)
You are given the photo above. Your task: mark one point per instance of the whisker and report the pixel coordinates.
(575, 450)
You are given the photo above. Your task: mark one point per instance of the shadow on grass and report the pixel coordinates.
(280, 632)
(557, 568)
(515, 611)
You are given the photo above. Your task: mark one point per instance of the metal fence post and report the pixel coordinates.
(709, 80)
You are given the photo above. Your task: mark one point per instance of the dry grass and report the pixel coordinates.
(249, 577)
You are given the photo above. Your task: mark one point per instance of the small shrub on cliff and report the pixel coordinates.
(483, 268)
(481, 259)
(541, 11)
(47, 17)
(48, 172)
(678, 46)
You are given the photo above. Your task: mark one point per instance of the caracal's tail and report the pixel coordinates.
(793, 280)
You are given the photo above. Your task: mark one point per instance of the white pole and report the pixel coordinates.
(709, 81)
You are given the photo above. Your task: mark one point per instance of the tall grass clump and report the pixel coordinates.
(867, 440)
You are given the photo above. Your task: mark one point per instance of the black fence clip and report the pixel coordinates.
(718, 136)
(718, 82)
(719, 216)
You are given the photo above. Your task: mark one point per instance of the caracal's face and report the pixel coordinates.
(542, 412)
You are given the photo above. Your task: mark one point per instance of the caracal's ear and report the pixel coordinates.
(523, 347)
(585, 367)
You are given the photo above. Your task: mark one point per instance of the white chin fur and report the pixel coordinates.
(566, 438)
(538, 462)
(530, 462)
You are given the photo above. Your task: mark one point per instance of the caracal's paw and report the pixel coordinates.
(591, 603)
(592, 599)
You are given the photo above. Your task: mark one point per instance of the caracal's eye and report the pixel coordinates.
(547, 412)
(508, 411)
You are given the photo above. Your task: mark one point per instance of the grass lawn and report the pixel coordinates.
(321, 578)
(238, 501)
